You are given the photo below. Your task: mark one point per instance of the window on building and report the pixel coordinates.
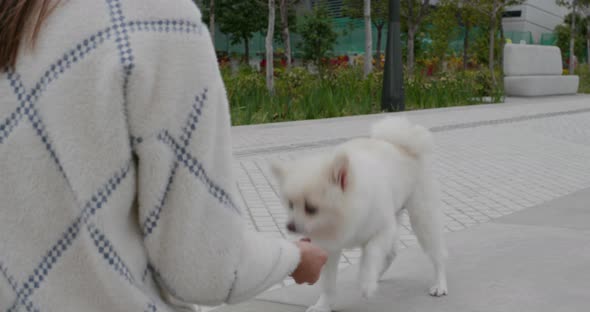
(512, 13)
(334, 6)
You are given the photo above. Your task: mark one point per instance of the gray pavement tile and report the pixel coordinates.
(493, 267)
(491, 160)
(571, 211)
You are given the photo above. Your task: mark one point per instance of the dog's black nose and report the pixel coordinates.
(291, 227)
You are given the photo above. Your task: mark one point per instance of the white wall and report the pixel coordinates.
(538, 17)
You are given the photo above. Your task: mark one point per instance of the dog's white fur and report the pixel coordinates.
(355, 195)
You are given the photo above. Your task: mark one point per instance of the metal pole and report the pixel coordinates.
(392, 97)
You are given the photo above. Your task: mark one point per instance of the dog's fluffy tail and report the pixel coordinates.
(400, 131)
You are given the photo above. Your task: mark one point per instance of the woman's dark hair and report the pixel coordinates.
(20, 20)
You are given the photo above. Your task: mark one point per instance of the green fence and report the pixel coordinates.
(351, 38)
(456, 44)
(519, 36)
(548, 39)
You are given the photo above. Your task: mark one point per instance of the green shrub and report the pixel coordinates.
(342, 92)
(584, 72)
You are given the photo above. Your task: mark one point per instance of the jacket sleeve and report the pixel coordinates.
(197, 244)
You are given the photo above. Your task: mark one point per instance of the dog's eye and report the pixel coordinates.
(310, 210)
(291, 205)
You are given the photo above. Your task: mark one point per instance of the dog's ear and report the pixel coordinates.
(340, 171)
(278, 170)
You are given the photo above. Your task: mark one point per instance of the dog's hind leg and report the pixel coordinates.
(328, 284)
(427, 223)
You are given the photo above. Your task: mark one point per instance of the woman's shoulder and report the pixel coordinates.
(158, 9)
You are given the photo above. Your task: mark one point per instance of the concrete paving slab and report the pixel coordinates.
(571, 211)
(490, 160)
(493, 267)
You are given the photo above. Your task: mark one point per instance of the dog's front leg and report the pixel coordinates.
(328, 284)
(376, 258)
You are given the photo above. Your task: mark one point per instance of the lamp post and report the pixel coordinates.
(392, 96)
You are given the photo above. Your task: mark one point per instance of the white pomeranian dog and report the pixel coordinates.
(354, 196)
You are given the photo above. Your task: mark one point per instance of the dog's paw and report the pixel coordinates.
(369, 289)
(439, 290)
(388, 261)
(318, 308)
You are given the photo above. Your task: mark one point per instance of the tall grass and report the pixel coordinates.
(342, 92)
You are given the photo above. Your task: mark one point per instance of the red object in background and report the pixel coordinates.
(282, 63)
(222, 59)
(338, 61)
(430, 70)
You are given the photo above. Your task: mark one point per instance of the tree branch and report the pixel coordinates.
(423, 8)
(410, 15)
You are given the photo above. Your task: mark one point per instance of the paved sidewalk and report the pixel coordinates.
(491, 160)
(535, 260)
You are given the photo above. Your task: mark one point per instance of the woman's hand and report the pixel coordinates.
(310, 266)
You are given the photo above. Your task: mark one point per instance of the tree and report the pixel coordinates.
(199, 4)
(269, 49)
(588, 40)
(240, 20)
(563, 33)
(413, 11)
(379, 16)
(493, 9)
(287, 16)
(368, 66)
(286, 13)
(493, 13)
(444, 26)
(469, 17)
(572, 5)
(317, 34)
(208, 11)
(212, 20)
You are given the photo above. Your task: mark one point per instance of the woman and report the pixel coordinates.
(115, 164)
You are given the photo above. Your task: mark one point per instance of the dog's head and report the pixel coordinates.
(313, 190)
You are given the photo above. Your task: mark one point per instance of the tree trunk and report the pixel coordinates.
(492, 43)
(410, 58)
(368, 39)
(502, 43)
(571, 67)
(212, 21)
(379, 32)
(269, 51)
(466, 45)
(246, 50)
(284, 9)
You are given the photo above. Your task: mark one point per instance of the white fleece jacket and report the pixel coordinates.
(115, 167)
